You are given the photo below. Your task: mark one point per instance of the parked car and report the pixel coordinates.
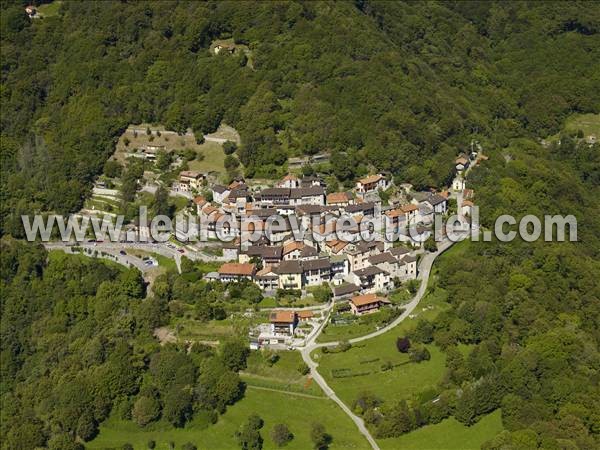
(180, 250)
(122, 252)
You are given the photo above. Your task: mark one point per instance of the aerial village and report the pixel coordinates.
(360, 273)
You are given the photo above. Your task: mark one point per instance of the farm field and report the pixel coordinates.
(449, 434)
(282, 375)
(296, 411)
(359, 370)
(588, 123)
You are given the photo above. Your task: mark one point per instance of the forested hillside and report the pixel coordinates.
(398, 86)
(77, 345)
(529, 312)
(402, 86)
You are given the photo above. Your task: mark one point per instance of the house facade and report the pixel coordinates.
(366, 304)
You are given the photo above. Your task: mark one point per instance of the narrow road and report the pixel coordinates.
(424, 273)
(106, 253)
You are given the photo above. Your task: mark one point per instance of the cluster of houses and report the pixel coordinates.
(283, 324)
(357, 270)
(281, 260)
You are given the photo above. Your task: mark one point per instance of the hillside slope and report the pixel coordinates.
(400, 86)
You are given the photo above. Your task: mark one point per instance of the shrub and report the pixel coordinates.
(229, 147)
(387, 366)
(403, 344)
(255, 421)
(188, 446)
(321, 439)
(281, 434)
(303, 368)
(145, 410)
(419, 354)
(344, 346)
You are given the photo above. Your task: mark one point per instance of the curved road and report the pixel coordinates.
(424, 273)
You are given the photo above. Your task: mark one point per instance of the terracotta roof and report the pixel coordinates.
(461, 160)
(338, 197)
(290, 177)
(409, 207)
(368, 299)
(336, 245)
(266, 272)
(467, 203)
(199, 200)
(282, 317)
(209, 209)
(370, 179)
(306, 314)
(394, 213)
(289, 248)
(237, 269)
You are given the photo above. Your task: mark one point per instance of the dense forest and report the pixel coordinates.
(401, 86)
(77, 344)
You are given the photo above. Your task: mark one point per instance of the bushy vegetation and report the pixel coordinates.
(528, 311)
(401, 86)
(77, 344)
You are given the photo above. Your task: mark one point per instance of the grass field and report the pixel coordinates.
(49, 9)
(212, 151)
(361, 371)
(282, 375)
(363, 361)
(213, 158)
(447, 435)
(588, 123)
(296, 411)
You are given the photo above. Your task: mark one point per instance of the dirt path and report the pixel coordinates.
(299, 394)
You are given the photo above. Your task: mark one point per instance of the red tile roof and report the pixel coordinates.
(237, 269)
(282, 317)
(367, 299)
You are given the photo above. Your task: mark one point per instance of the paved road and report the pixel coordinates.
(109, 253)
(424, 273)
(161, 248)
